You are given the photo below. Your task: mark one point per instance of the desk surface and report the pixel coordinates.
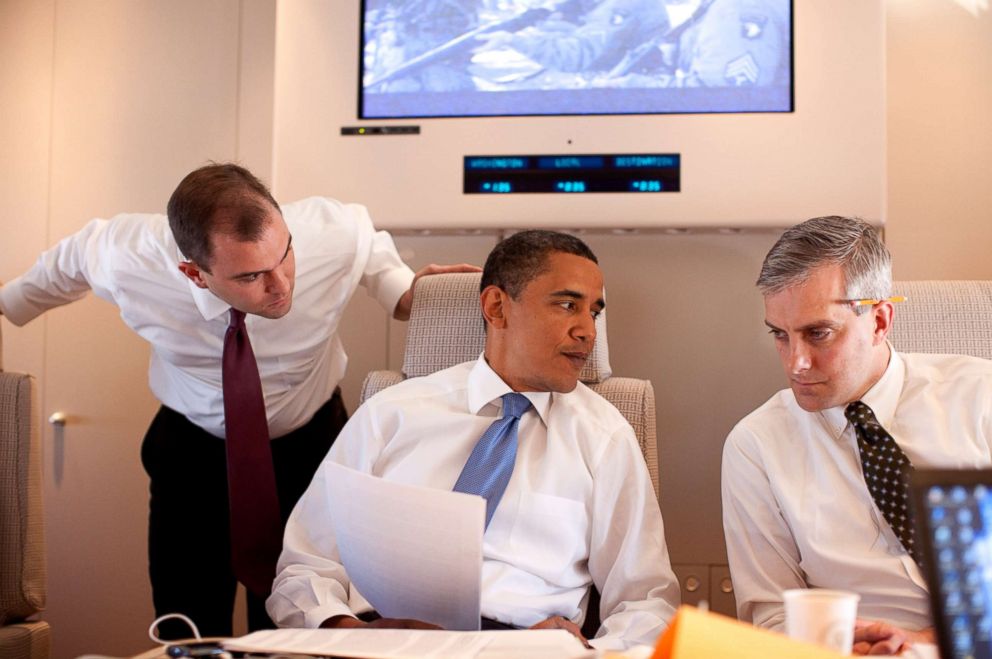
(919, 651)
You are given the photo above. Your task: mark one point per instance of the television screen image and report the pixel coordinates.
(464, 58)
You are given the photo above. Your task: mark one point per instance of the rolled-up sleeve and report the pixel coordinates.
(62, 274)
(311, 583)
(763, 556)
(629, 559)
(384, 276)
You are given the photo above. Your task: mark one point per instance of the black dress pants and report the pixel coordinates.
(189, 541)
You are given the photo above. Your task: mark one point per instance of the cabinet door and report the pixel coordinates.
(26, 37)
(142, 94)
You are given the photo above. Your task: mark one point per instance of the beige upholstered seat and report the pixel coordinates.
(446, 328)
(952, 317)
(22, 547)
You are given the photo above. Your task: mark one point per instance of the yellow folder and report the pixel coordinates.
(696, 634)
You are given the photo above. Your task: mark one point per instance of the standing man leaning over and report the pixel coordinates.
(240, 301)
(569, 500)
(810, 495)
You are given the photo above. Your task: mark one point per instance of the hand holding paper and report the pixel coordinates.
(350, 622)
(412, 552)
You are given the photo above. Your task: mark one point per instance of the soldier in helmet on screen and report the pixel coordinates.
(404, 35)
(734, 43)
(663, 43)
(586, 38)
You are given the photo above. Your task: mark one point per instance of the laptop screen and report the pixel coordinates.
(954, 522)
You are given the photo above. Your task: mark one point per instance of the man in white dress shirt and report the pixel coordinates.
(226, 245)
(578, 510)
(797, 510)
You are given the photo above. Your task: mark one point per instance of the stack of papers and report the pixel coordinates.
(414, 644)
(693, 634)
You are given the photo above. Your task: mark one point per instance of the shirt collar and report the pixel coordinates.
(209, 305)
(882, 397)
(485, 387)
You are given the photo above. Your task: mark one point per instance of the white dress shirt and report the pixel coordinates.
(132, 261)
(579, 508)
(797, 512)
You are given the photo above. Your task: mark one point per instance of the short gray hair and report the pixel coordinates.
(848, 242)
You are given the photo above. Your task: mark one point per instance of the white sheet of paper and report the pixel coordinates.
(413, 644)
(922, 651)
(412, 552)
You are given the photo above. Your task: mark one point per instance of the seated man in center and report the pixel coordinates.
(578, 508)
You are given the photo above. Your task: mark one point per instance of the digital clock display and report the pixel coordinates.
(572, 173)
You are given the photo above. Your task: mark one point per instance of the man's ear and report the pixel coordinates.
(882, 317)
(494, 306)
(194, 272)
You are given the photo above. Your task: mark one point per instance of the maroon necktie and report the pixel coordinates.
(256, 531)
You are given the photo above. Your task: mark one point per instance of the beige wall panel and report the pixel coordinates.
(939, 140)
(144, 92)
(682, 311)
(27, 35)
(255, 87)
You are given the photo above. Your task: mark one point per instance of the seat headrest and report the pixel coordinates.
(446, 328)
(944, 317)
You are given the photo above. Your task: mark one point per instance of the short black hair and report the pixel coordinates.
(217, 197)
(519, 259)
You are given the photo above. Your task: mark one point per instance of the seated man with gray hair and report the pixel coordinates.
(570, 504)
(814, 480)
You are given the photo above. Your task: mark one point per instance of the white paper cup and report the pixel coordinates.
(824, 617)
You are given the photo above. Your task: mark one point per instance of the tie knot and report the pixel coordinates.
(514, 405)
(237, 319)
(860, 414)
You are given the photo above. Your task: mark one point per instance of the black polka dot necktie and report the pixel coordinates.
(886, 469)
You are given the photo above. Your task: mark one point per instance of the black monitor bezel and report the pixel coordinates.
(920, 481)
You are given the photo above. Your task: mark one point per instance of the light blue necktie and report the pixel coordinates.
(488, 469)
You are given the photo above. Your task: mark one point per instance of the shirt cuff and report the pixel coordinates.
(392, 286)
(14, 306)
(313, 617)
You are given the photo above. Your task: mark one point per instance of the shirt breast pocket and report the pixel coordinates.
(550, 537)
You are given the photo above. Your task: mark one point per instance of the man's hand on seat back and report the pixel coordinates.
(402, 310)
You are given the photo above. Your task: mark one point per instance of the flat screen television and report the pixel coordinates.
(473, 58)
